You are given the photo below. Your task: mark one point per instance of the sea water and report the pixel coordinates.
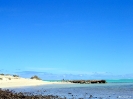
(113, 89)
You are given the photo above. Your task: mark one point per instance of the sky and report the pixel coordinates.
(72, 39)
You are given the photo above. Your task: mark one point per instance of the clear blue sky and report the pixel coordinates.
(67, 36)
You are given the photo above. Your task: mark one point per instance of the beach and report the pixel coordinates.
(8, 81)
(9, 85)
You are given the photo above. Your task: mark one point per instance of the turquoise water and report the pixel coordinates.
(120, 81)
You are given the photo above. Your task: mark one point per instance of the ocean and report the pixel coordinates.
(113, 89)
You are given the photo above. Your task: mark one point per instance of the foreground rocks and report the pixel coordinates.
(88, 81)
(9, 94)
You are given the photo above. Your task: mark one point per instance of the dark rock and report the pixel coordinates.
(90, 96)
(15, 75)
(88, 81)
(35, 77)
(9, 94)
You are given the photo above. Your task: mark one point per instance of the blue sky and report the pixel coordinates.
(67, 37)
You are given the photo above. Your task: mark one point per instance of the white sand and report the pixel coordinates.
(10, 81)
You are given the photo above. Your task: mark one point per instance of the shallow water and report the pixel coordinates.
(76, 91)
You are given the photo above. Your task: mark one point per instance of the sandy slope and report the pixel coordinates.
(10, 81)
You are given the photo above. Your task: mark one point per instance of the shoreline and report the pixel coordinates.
(19, 88)
(99, 92)
(17, 82)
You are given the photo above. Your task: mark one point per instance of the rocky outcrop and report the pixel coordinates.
(35, 77)
(87, 81)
